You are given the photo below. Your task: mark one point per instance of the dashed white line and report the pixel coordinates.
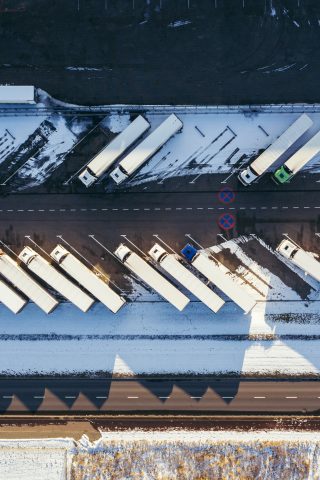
(39, 396)
(259, 397)
(306, 207)
(274, 208)
(93, 209)
(253, 208)
(104, 209)
(136, 209)
(295, 207)
(164, 397)
(291, 397)
(7, 396)
(62, 209)
(146, 209)
(195, 398)
(101, 397)
(199, 208)
(70, 396)
(284, 207)
(168, 208)
(227, 397)
(125, 209)
(178, 208)
(263, 208)
(189, 208)
(115, 209)
(52, 209)
(29, 210)
(133, 397)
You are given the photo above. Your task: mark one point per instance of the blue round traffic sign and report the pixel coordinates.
(226, 221)
(226, 195)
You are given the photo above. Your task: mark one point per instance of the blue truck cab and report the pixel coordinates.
(189, 252)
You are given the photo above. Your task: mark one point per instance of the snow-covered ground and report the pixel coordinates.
(175, 453)
(48, 459)
(179, 454)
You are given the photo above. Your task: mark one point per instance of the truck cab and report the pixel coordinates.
(282, 175)
(246, 176)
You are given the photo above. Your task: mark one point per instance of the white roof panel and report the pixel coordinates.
(212, 271)
(171, 264)
(16, 94)
(87, 278)
(37, 264)
(151, 277)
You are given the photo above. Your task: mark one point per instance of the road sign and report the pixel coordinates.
(226, 195)
(226, 221)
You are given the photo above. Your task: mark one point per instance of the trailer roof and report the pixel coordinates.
(171, 264)
(221, 278)
(17, 94)
(87, 278)
(304, 154)
(152, 143)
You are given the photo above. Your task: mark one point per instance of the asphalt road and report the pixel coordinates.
(214, 52)
(225, 395)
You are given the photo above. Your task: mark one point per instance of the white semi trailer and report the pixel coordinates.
(19, 94)
(151, 277)
(87, 278)
(10, 298)
(109, 154)
(267, 158)
(220, 276)
(295, 163)
(10, 270)
(148, 147)
(38, 265)
(304, 260)
(171, 264)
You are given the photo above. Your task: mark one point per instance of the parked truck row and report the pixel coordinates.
(197, 271)
(106, 158)
(279, 148)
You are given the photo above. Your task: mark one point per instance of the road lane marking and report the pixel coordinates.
(101, 397)
(7, 396)
(195, 397)
(259, 397)
(227, 397)
(62, 209)
(133, 397)
(291, 397)
(169, 397)
(38, 396)
(70, 396)
(295, 207)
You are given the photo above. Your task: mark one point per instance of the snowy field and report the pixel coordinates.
(48, 459)
(174, 454)
(185, 455)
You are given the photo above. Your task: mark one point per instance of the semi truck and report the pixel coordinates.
(146, 149)
(298, 160)
(151, 277)
(87, 278)
(10, 298)
(12, 272)
(50, 275)
(171, 263)
(267, 158)
(219, 275)
(307, 261)
(109, 154)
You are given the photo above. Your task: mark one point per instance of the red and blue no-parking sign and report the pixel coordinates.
(226, 195)
(226, 221)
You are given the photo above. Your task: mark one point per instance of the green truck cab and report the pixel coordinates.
(282, 175)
